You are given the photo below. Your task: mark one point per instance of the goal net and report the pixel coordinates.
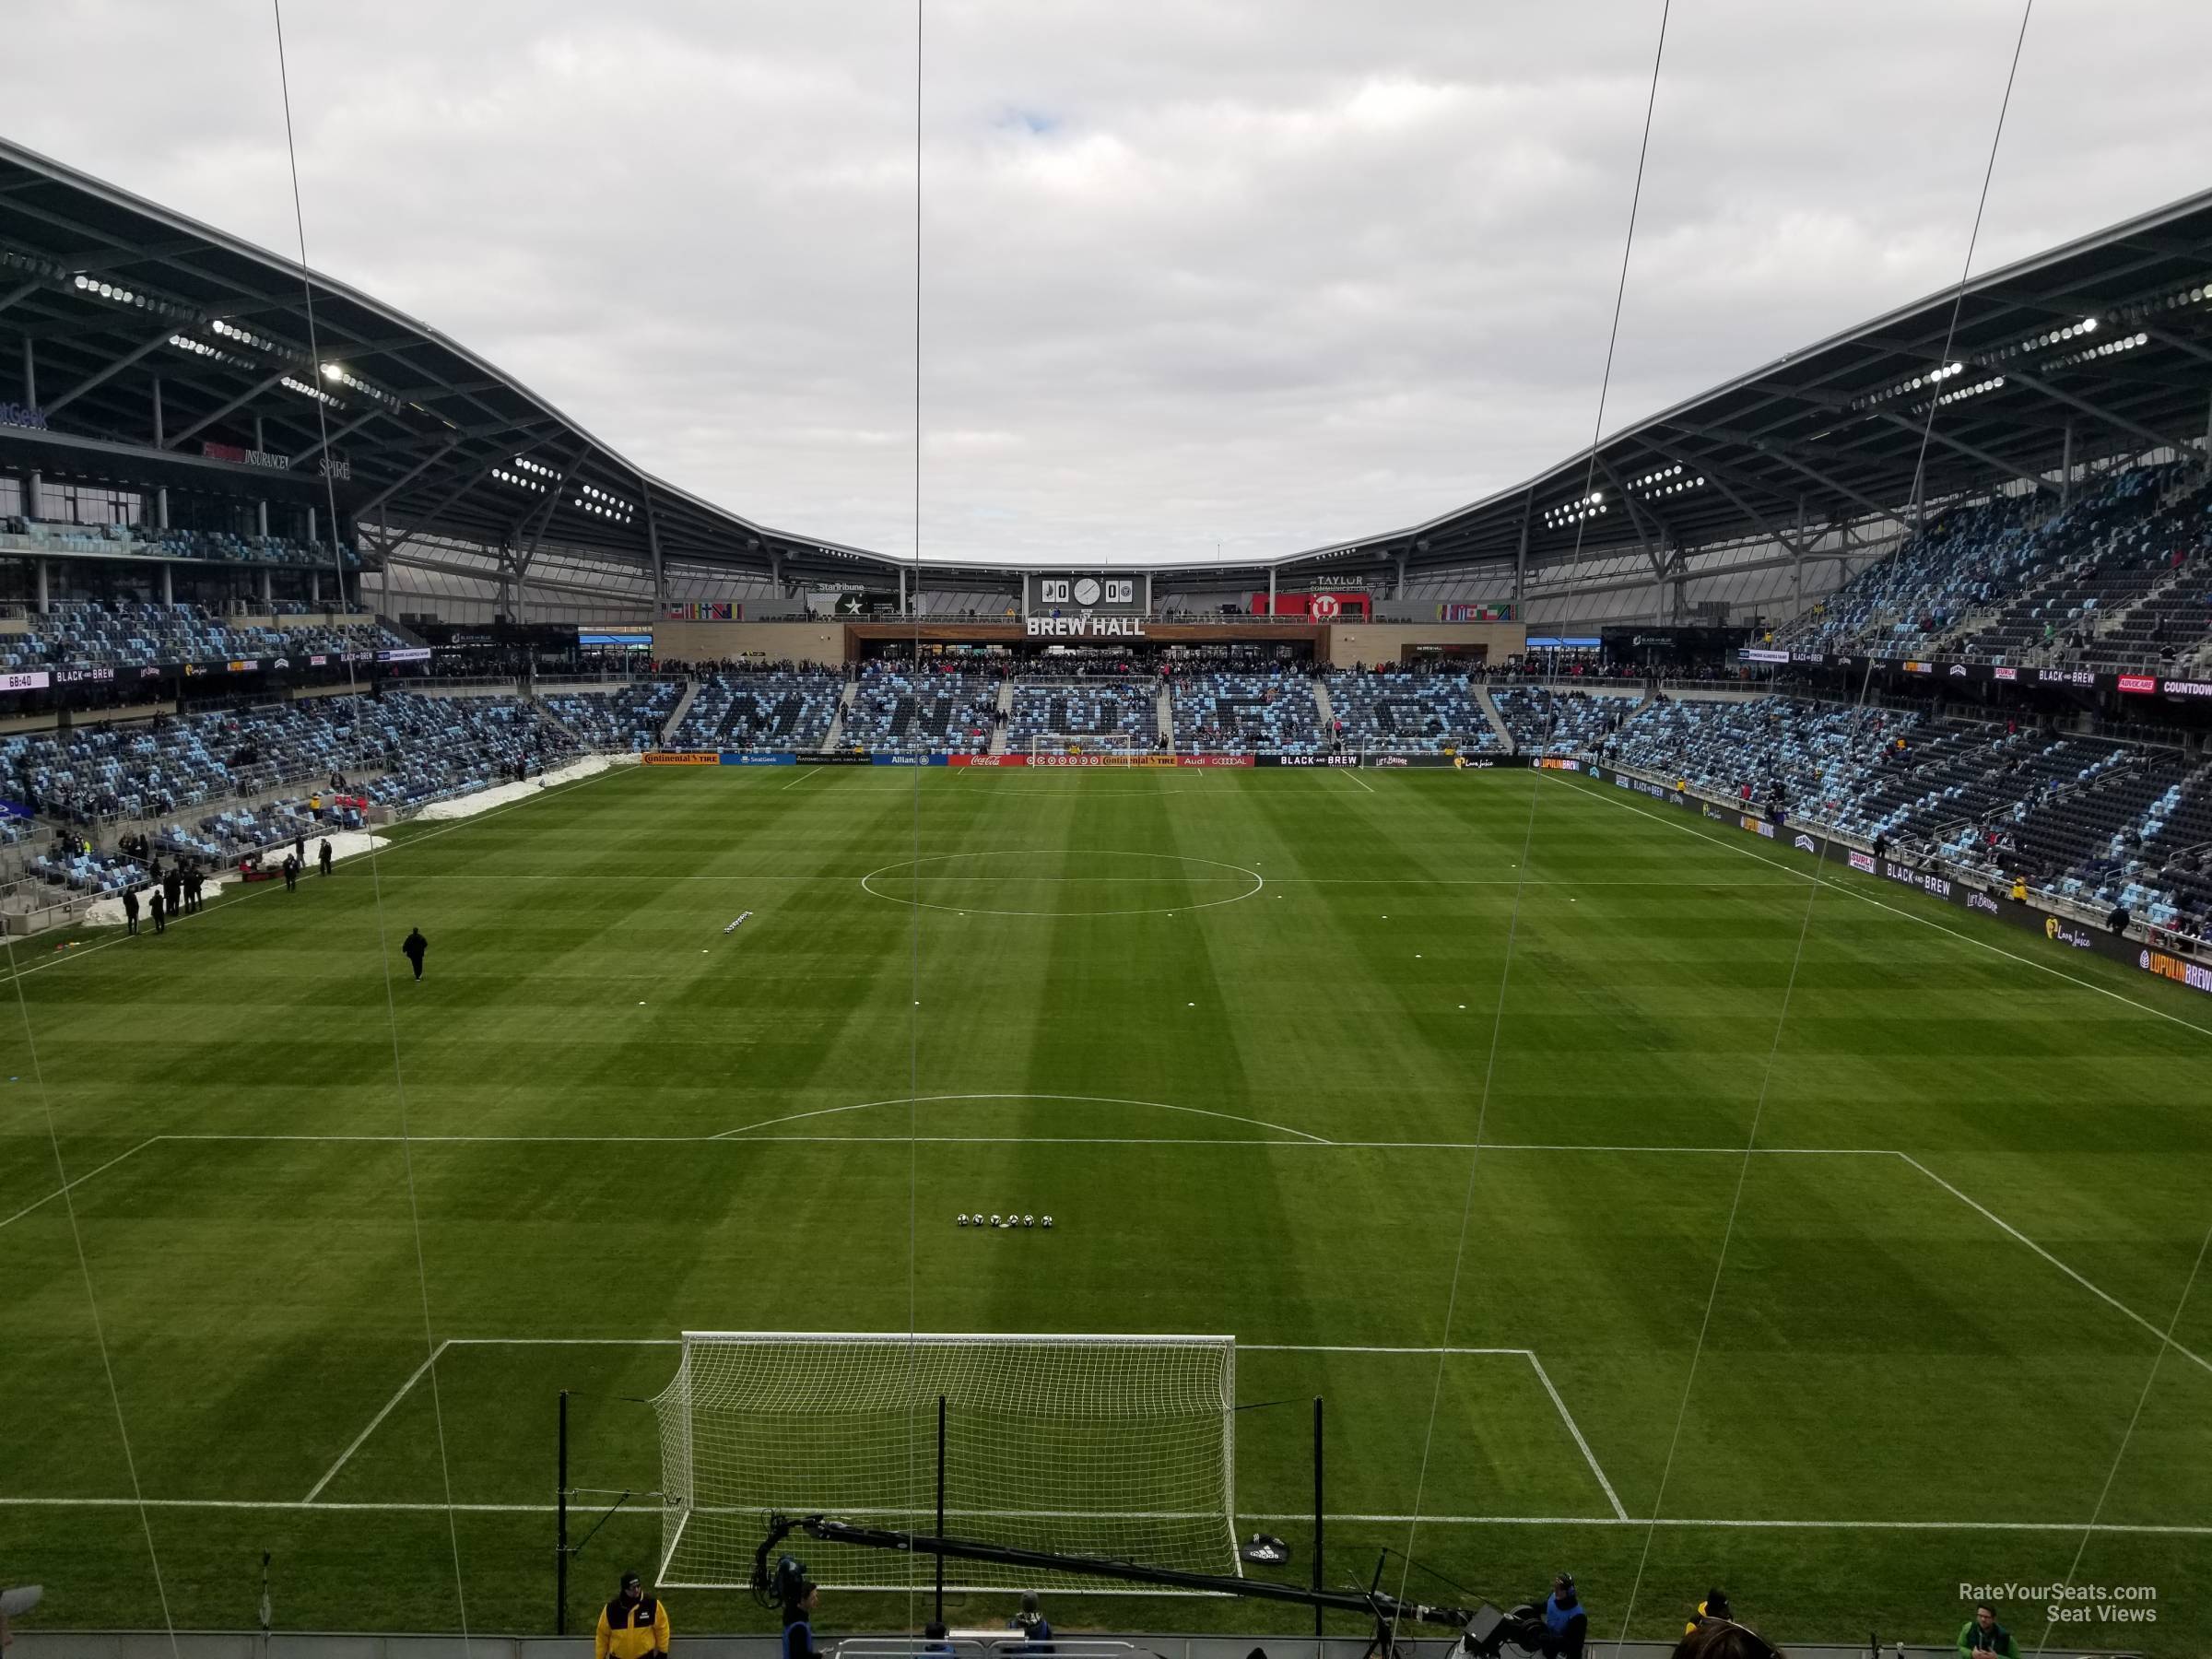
(1084, 748)
(1122, 1446)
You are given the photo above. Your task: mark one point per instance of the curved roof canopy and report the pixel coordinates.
(2102, 346)
(2098, 348)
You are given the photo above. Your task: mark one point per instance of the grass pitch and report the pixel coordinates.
(1239, 1033)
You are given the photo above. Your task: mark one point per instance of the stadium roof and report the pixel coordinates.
(2101, 346)
(113, 291)
(2105, 344)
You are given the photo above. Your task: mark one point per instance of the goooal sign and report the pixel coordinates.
(1126, 594)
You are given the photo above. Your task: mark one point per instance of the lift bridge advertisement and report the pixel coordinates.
(2061, 933)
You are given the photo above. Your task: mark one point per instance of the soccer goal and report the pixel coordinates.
(1083, 748)
(1122, 1446)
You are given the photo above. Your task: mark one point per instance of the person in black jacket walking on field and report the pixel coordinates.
(414, 946)
(130, 909)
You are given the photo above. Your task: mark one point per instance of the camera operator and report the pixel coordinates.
(1561, 1627)
(800, 1598)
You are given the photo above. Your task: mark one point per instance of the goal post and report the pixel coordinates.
(1119, 1446)
(1094, 748)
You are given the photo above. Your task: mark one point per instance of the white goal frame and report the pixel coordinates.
(1205, 1532)
(1084, 748)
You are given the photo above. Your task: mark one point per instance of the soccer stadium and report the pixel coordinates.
(1620, 1059)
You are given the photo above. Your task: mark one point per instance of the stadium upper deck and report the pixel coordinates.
(157, 352)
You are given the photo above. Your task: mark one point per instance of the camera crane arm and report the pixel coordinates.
(1479, 1626)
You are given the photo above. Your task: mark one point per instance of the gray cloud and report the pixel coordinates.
(1267, 276)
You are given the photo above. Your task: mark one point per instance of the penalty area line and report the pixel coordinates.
(72, 1184)
(1852, 892)
(374, 1423)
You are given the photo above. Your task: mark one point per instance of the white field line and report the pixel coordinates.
(1852, 892)
(1019, 1140)
(725, 1137)
(1089, 1100)
(1589, 1456)
(1445, 881)
(1340, 1348)
(2163, 1337)
(79, 1180)
(1363, 784)
(361, 1438)
(802, 778)
(240, 892)
(2073, 1528)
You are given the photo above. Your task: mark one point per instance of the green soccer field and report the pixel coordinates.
(1241, 1034)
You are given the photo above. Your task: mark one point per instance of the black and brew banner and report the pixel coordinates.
(2005, 674)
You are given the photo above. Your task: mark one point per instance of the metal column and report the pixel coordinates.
(2065, 469)
(30, 375)
(261, 508)
(653, 549)
(43, 607)
(1520, 567)
(1271, 590)
(169, 590)
(1798, 564)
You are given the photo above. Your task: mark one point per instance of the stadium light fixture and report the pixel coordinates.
(308, 389)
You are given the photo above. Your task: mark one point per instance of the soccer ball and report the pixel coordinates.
(995, 1220)
(960, 1220)
(1028, 1221)
(1048, 1221)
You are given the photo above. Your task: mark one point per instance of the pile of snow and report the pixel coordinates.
(352, 843)
(484, 800)
(343, 844)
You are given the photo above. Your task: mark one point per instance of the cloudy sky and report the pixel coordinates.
(1259, 275)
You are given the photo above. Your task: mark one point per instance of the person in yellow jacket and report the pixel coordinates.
(634, 1625)
(1715, 1605)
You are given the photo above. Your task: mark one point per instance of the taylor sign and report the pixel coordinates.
(1085, 628)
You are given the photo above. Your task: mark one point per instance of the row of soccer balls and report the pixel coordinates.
(979, 1220)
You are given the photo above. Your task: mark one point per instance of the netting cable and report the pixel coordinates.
(919, 1421)
(399, 1087)
(1513, 926)
(1812, 895)
(84, 1267)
